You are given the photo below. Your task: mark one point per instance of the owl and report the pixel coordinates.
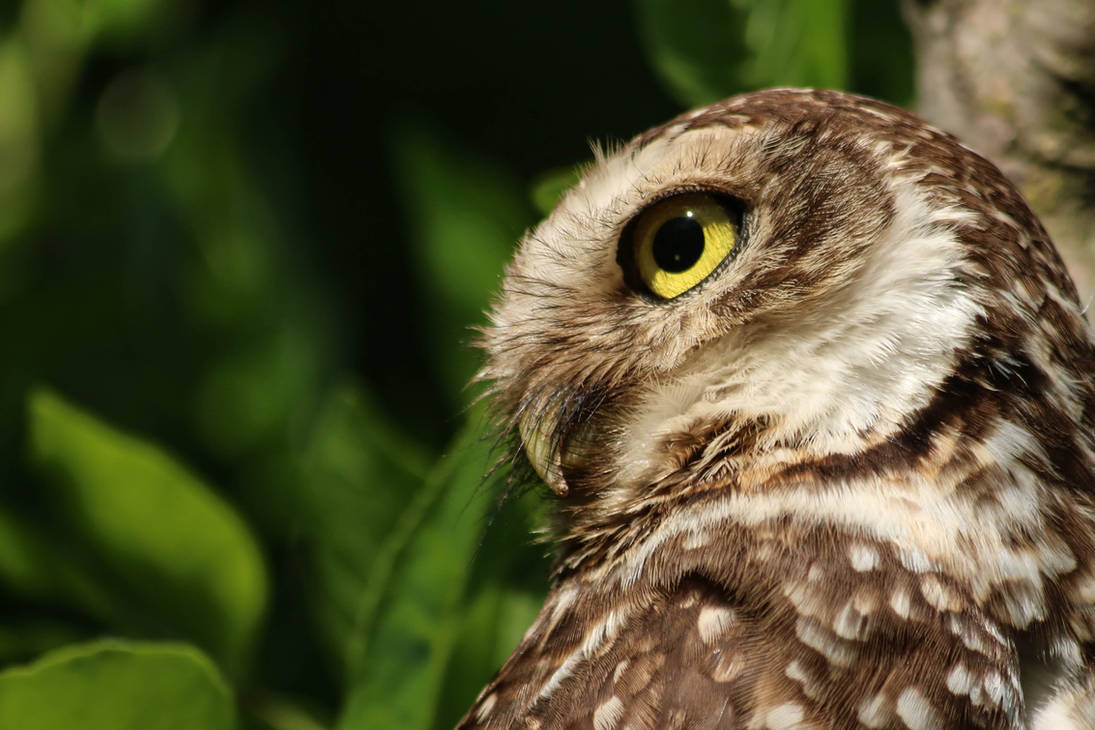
(815, 397)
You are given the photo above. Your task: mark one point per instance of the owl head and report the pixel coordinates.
(784, 281)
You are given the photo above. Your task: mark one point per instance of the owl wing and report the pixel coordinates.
(678, 663)
(697, 657)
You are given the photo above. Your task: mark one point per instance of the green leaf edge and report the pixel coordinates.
(87, 650)
(398, 539)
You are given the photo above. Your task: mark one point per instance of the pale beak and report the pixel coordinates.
(536, 438)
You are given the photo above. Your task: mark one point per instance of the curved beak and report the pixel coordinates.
(536, 439)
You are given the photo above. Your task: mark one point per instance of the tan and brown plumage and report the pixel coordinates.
(844, 478)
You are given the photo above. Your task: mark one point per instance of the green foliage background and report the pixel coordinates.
(241, 246)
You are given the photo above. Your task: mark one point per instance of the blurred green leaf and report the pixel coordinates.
(706, 50)
(408, 634)
(363, 515)
(123, 19)
(117, 685)
(137, 116)
(795, 43)
(169, 543)
(251, 395)
(234, 232)
(18, 144)
(55, 40)
(465, 219)
(36, 565)
(356, 475)
(241, 280)
(694, 45)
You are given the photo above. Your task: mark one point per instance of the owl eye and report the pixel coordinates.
(674, 244)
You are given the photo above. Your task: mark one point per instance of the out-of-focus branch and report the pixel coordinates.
(1015, 79)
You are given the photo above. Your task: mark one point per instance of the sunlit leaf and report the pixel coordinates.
(118, 685)
(169, 543)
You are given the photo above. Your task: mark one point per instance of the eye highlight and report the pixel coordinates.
(674, 244)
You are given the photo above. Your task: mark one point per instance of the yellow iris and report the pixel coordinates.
(677, 242)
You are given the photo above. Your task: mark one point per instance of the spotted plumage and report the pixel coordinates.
(846, 480)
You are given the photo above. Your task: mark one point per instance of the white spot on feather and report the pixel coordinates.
(796, 672)
(714, 622)
(994, 687)
(608, 714)
(804, 599)
(784, 717)
(833, 649)
(899, 602)
(620, 669)
(971, 638)
(959, 680)
(603, 631)
(940, 595)
(915, 710)
(863, 557)
(1084, 591)
(485, 707)
(915, 560)
(874, 712)
(849, 623)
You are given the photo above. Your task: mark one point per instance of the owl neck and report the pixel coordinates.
(957, 489)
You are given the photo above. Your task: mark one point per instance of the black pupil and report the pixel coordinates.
(678, 244)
